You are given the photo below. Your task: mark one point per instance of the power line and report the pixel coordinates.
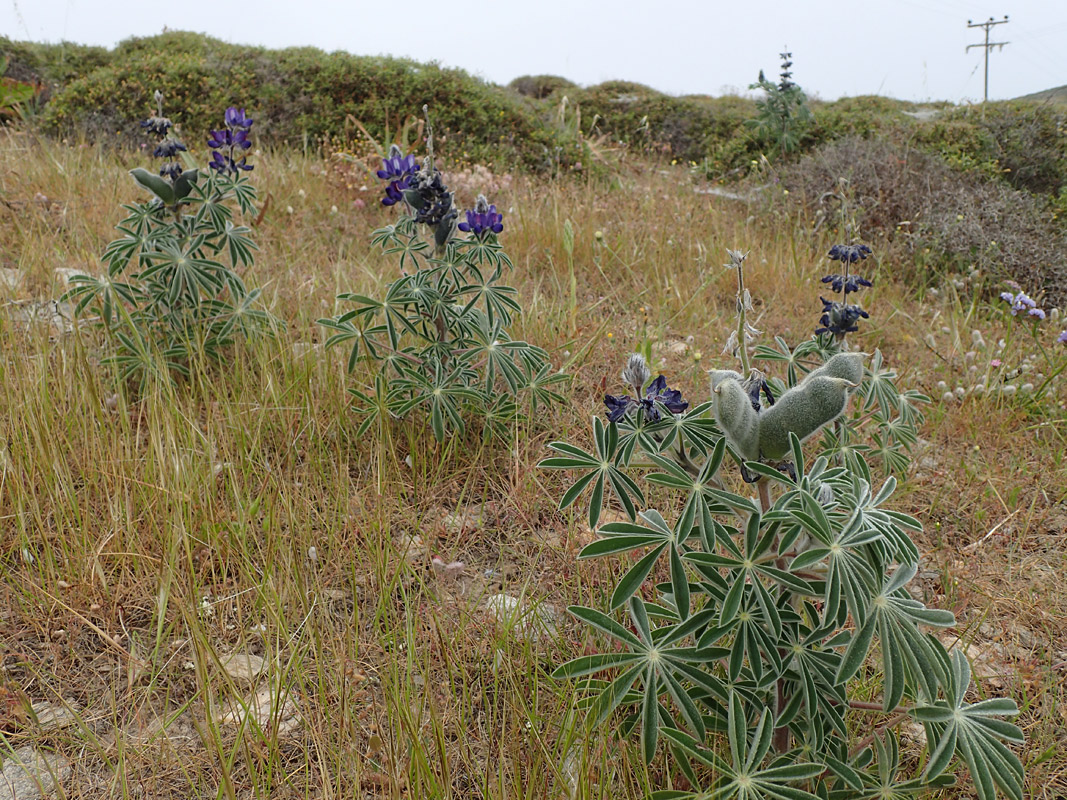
(988, 25)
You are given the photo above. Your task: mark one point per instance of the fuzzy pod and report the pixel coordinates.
(737, 418)
(719, 375)
(802, 410)
(843, 365)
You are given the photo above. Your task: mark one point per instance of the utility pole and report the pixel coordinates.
(987, 45)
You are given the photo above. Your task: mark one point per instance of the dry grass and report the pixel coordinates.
(142, 544)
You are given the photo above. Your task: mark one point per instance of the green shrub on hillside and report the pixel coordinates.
(540, 86)
(1027, 141)
(925, 206)
(301, 94)
(687, 128)
(51, 64)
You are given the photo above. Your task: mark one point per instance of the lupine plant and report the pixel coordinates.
(172, 290)
(437, 339)
(883, 423)
(782, 113)
(769, 645)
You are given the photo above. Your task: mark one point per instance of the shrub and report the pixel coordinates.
(686, 128)
(920, 203)
(782, 114)
(438, 338)
(1027, 141)
(301, 95)
(741, 661)
(172, 293)
(540, 86)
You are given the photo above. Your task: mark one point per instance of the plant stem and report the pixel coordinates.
(866, 740)
(781, 699)
(741, 348)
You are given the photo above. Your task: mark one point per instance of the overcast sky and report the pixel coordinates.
(909, 49)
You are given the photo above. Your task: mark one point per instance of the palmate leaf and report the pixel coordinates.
(539, 382)
(599, 471)
(700, 504)
(909, 657)
(655, 657)
(444, 390)
(974, 732)
(887, 784)
(238, 244)
(744, 777)
(624, 537)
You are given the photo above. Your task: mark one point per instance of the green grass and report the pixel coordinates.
(142, 543)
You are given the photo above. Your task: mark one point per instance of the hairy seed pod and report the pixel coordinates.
(802, 410)
(843, 365)
(737, 418)
(719, 375)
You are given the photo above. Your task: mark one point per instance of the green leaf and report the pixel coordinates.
(155, 184)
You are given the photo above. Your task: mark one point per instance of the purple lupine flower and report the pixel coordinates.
(483, 218)
(850, 283)
(398, 170)
(671, 398)
(1062, 338)
(617, 406)
(1036, 312)
(168, 148)
(227, 141)
(218, 162)
(849, 253)
(839, 318)
(235, 118)
(397, 165)
(658, 391)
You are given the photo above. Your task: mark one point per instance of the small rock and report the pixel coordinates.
(64, 274)
(51, 717)
(243, 666)
(30, 774)
(267, 708)
(10, 279)
(672, 347)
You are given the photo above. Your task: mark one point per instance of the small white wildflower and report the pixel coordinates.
(1026, 388)
(969, 355)
(931, 342)
(979, 388)
(933, 292)
(288, 209)
(313, 554)
(946, 329)
(942, 386)
(948, 397)
(333, 209)
(1008, 389)
(961, 392)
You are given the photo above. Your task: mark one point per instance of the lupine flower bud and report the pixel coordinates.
(636, 373)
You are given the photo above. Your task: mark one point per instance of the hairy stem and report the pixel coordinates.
(866, 740)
